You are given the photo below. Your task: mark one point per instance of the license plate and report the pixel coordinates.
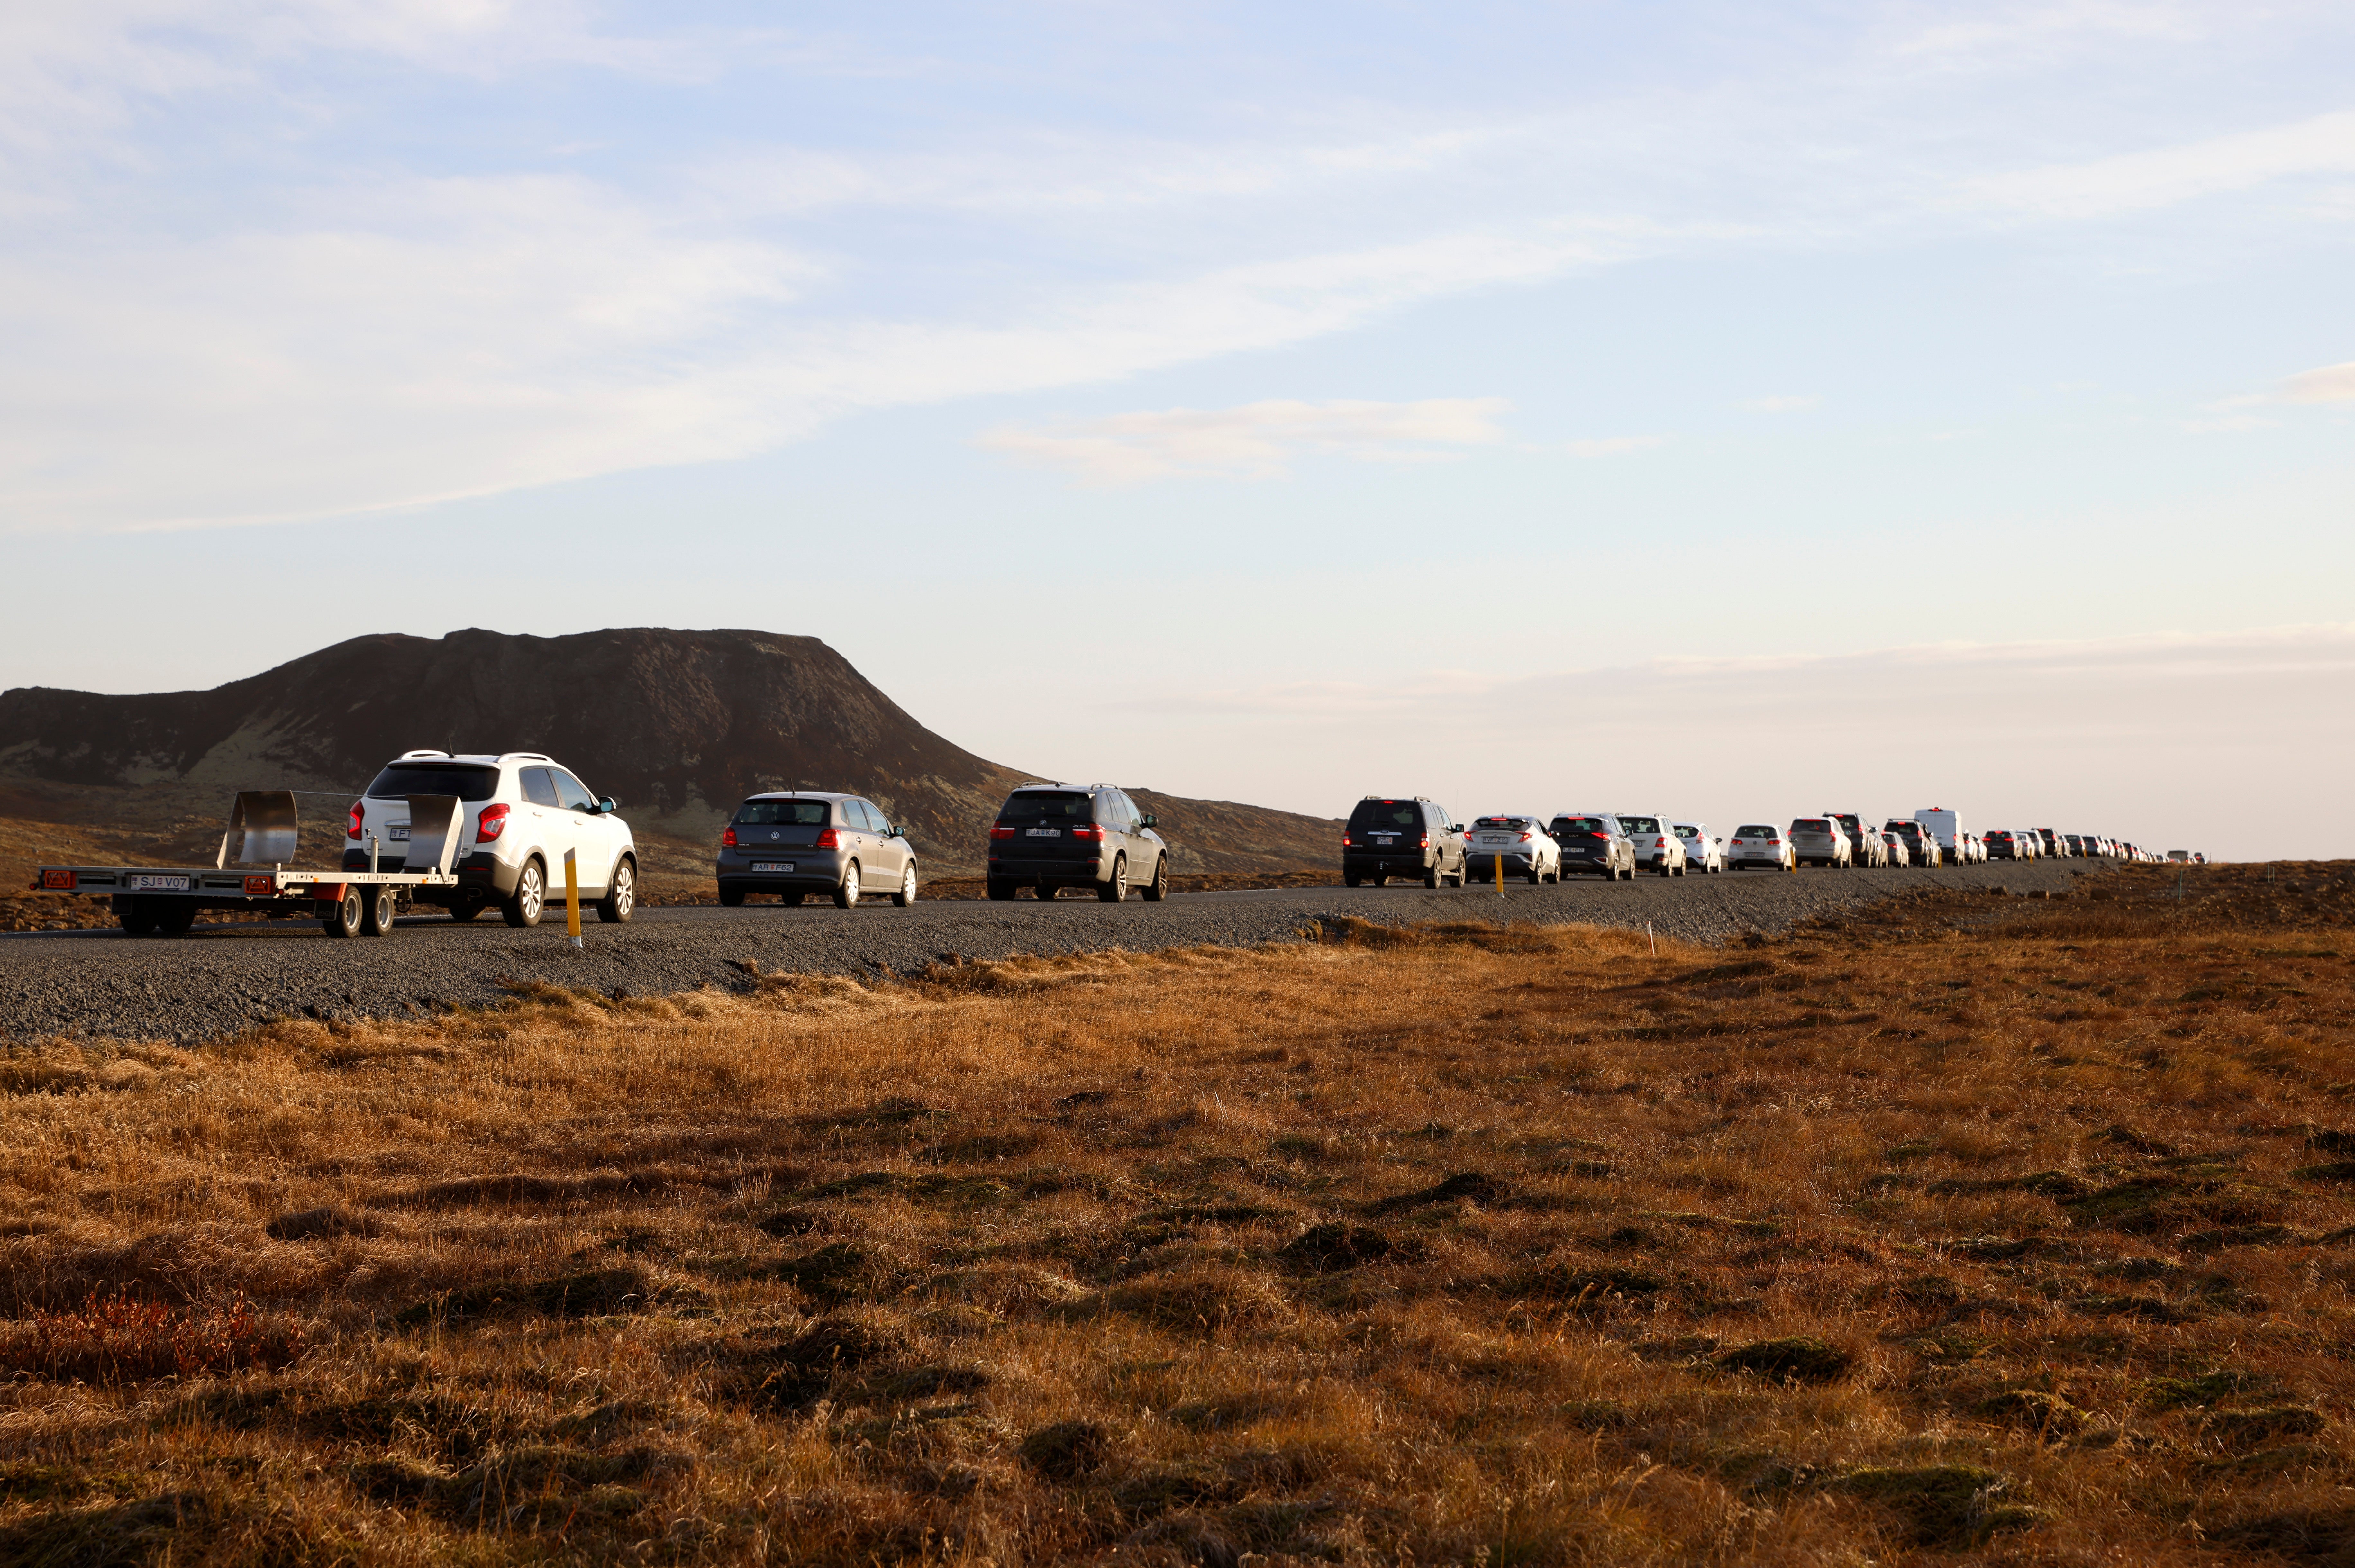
(396, 834)
(1486, 840)
(1043, 832)
(1386, 843)
(160, 884)
(772, 865)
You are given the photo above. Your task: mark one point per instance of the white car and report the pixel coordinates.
(1657, 846)
(1704, 852)
(1517, 839)
(1893, 851)
(521, 813)
(1759, 844)
(1821, 841)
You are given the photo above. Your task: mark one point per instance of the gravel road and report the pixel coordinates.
(217, 979)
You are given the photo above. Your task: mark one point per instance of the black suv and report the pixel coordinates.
(1402, 836)
(1051, 835)
(1593, 841)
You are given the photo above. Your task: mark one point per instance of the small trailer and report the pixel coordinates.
(152, 899)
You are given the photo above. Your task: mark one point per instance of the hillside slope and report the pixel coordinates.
(677, 725)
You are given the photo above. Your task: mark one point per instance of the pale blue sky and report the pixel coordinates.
(1353, 382)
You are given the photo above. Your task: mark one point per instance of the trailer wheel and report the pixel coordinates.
(376, 910)
(342, 920)
(175, 917)
(139, 918)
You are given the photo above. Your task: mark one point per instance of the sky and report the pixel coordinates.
(1729, 410)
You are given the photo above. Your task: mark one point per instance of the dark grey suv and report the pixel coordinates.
(1592, 841)
(805, 842)
(1051, 837)
(1401, 836)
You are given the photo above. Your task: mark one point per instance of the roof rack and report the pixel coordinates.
(526, 757)
(413, 757)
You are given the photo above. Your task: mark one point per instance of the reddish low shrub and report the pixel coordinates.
(119, 1338)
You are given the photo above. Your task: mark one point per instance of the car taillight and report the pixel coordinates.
(1087, 830)
(491, 824)
(827, 839)
(359, 814)
(999, 830)
(1525, 838)
(1423, 842)
(1598, 836)
(1347, 841)
(728, 837)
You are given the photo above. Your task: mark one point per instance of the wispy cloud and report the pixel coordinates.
(2330, 384)
(1782, 405)
(2163, 176)
(1254, 441)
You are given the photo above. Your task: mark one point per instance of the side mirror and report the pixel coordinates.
(608, 805)
(895, 831)
(1148, 820)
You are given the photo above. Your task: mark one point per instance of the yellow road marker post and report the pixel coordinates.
(571, 899)
(1500, 873)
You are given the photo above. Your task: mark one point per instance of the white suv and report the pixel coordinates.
(522, 812)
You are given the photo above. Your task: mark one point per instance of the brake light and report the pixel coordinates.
(728, 837)
(492, 823)
(1347, 841)
(999, 830)
(827, 839)
(1423, 842)
(1087, 830)
(1598, 836)
(1525, 838)
(359, 815)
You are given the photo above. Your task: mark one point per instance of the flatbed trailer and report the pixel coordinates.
(152, 899)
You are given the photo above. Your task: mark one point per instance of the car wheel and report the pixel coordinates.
(1351, 879)
(139, 920)
(999, 889)
(906, 893)
(377, 911)
(731, 897)
(1116, 889)
(1432, 876)
(621, 900)
(342, 919)
(1158, 888)
(523, 906)
(846, 892)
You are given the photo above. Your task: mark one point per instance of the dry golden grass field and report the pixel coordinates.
(1974, 1228)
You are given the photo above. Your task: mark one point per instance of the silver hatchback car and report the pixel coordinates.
(805, 842)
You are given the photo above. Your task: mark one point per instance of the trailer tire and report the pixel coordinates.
(175, 917)
(522, 908)
(137, 917)
(342, 918)
(378, 907)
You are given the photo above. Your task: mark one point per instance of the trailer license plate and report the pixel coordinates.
(159, 884)
(1043, 832)
(772, 865)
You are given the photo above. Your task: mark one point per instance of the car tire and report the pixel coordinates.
(906, 893)
(342, 918)
(1351, 879)
(523, 908)
(998, 889)
(139, 920)
(731, 897)
(1158, 888)
(1114, 889)
(846, 891)
(1432, 878)
(621, 900)
(376, 910)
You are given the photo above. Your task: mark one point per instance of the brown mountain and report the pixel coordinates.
(677, 725)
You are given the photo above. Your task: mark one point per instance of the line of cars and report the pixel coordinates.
(1414, 838)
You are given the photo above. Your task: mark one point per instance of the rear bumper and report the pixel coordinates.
(1477, 866)
(811, 869)
(1389, 864)
(1067, 871)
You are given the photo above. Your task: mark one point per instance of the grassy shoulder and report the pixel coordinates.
(1969, 1225)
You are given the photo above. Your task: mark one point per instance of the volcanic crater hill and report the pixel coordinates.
(677, 725)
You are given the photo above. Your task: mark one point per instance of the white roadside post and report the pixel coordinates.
(571, 899)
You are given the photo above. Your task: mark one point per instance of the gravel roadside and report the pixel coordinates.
(220, 979)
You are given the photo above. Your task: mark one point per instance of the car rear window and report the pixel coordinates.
(783, 812)
(1757, 830)
(1503, 822)
(1376, 815)
(1640, 824)
(1580, 824)
(467, 783)
(1811, 825)
(1999, 833)
(1039, 803)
